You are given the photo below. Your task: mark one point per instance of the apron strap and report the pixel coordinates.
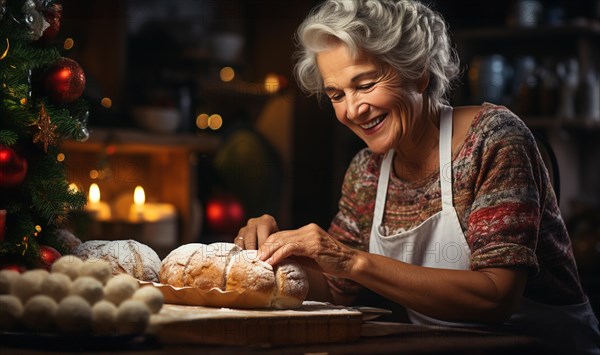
(445, 169)
(446, 156)
(382, 185)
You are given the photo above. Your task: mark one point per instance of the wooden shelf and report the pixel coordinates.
(528, 33)
(136, 141)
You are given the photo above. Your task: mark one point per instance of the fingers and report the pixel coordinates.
(256, 231)
(284, 244)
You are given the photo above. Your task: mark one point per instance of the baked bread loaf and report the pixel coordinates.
(173, 265)
(125, 257)
(227, 267)
(248, 274)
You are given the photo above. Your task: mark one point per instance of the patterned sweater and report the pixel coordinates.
(502, 195)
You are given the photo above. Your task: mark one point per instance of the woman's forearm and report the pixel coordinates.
(452, 295)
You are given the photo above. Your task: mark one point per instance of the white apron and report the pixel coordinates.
(439, 242)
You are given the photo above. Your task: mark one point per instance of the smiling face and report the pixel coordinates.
(370, 101)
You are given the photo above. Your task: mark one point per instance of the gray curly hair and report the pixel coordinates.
(404, 34)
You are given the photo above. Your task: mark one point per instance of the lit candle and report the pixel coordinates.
(142, 211)
(136, 212)
(99, 209)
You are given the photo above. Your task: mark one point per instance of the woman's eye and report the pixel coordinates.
(365, 86)
(336, 97)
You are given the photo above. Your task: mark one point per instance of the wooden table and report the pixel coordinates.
(376, 338)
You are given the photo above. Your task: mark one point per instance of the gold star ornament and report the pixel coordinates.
(46, 130)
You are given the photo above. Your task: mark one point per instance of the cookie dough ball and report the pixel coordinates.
(29, 284)
(69, 265)
(11, 310)
(151, 296)
(7, 277)
(88, 288)
(104, 318)
(38, 313)
(96, 268)
(74, 315)
(57, 286)
(133, 317)
(120, 287)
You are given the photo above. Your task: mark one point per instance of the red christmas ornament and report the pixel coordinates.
(9, 265)
(48, 256)
(225, 214)
(64, 81)
(13, 167)
(52, 15)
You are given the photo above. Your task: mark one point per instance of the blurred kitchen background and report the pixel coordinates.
(194, 101)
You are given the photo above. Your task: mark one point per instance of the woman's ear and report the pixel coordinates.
(423, 82)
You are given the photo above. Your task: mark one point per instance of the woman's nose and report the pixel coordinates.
(355, 109)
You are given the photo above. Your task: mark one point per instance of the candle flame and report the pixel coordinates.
(139, 197)
(94, 194)
(73, 188)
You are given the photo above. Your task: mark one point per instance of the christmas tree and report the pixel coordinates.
(40, 105)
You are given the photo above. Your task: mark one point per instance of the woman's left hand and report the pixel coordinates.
(311, 246)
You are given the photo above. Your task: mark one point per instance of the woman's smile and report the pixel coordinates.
(372, 126)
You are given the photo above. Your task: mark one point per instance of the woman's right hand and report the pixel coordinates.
(256, 231)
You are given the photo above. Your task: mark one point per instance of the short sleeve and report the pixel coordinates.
(505, 215)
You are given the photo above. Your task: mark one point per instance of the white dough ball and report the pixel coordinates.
(151, 296)
(120, 287)
(74, 315)
(7, 277)
(133, 316)
(29, 284)
(69, 265)
(38, 313)
(96, 268)
(57, 286)
(88, 288)
(11, 310)
(104, 318)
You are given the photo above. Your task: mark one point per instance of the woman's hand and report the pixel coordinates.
(311, 246)
(256, 231)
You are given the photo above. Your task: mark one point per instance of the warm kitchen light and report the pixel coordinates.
(69, 43)
(94, 174)
(202, 121)
(272, 83)
(106, 102)
(73, 188)
(227, 74)
(215, 121)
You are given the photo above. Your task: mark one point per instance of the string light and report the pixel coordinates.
(202, 121)
(215, 122)
(106, 102)
(69, 43)
(227, 74)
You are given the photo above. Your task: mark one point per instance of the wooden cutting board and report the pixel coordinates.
(314, 322)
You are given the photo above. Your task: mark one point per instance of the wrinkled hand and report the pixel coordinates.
(311, 246)
(256, 231)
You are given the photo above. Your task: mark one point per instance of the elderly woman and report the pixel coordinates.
(449, 212)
